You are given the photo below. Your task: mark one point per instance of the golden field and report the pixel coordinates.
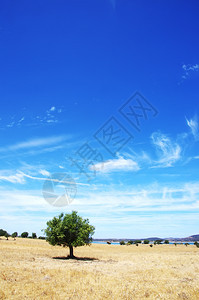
(32, 269)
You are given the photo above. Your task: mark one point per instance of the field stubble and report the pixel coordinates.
(32, 269)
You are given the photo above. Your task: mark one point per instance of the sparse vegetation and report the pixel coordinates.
(159, 242)
(122, 242)
(137, 242)
(146, 241)
(43, 272)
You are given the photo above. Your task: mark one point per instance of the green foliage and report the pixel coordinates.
(14, 234)
(2, 232)
(196, 244)
(122, 243)
(159, 242)
(7, 235)
(146, 241)
(24, 234)
(186, 244)
(137, 242)
(130, 242)
(41, 238)
(34, 236)
(151, 245)
(175, 244)
(166, 241)
(69, 230)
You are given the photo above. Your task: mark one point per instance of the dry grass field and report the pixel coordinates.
(32, 269)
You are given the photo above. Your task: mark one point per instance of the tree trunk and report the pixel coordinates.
(71, 252)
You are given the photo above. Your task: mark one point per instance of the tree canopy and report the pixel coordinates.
(24, 234)
(69, 230)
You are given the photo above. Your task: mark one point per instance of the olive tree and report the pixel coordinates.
(24, 234)
(69, 230)
(34, 235)
(14, 235)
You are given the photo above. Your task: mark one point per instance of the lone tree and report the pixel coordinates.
(24, 234)
(14, 235)
(69, 230)
(34, 236)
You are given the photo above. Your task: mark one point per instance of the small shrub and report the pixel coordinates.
(136, 244)
(109, 243)
(41, 237)
(159, 242)
(151, 245)
(186, 244)
(146, 241)
(166, 241)
(122, 243)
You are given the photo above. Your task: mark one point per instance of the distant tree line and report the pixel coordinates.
(146, 242)
(24, 234)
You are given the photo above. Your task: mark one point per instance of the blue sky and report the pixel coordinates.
(68, 71)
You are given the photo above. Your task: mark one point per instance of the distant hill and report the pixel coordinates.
(192, 238)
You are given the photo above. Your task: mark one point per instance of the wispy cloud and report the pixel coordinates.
(44, 172)
(16, 178)
(193, 125)
(46, 117)
(33, 143)
(188, 69)
(169, 152)
(113, 3)
(114, 165)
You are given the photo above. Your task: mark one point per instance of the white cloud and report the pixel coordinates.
(193, 125)
(17, 178)
(52, 108)
(110, 209)
(118, 164)
(44, 173)
(37, 142)
(188, 69)
(169, 152)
